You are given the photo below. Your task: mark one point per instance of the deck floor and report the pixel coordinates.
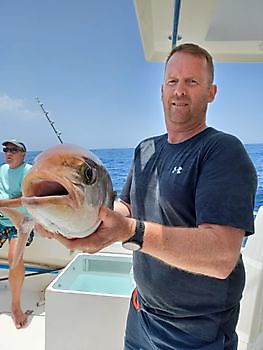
(33, 336)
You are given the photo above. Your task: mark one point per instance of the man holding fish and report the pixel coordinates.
(185, 207)
(11, 177)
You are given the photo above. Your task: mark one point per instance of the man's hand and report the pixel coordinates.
(114, 227)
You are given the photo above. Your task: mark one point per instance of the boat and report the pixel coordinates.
(232, 31)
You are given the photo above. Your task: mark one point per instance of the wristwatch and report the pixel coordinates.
(136, 241)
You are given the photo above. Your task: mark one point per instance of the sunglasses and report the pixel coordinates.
(11, 149)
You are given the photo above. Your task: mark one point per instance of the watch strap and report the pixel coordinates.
(136, 241)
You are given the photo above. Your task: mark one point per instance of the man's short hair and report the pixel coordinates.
(197, 51)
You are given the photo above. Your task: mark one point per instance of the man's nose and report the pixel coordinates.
(180, 89)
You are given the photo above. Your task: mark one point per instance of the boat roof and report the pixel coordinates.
(232, 31)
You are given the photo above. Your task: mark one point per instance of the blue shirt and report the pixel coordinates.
(10, 186)
(206, 179)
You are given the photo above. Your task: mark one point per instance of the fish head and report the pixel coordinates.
(65, 188)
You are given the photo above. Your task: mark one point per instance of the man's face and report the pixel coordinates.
(14, 156)
(186, 91)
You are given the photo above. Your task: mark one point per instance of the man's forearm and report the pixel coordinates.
(11, 203)
(211, 250)
(122, 207)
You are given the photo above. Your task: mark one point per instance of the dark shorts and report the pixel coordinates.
(9, 233)
(145, 332)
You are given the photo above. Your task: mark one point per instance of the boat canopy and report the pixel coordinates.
(232, 31)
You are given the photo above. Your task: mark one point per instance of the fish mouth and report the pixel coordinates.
(46, 191)
(48, 188)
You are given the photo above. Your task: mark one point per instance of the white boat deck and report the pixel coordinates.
(47, 254)
(33, 336)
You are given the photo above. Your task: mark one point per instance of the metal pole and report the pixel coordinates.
(32, 274)
(177, 6)
(51, 123)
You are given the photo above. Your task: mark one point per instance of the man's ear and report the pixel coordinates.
(212, 93)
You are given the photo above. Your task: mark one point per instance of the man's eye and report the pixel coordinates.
(171, 82)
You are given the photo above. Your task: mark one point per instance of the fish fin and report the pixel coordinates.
(24, 226)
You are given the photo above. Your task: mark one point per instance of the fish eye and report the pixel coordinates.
(88, 174)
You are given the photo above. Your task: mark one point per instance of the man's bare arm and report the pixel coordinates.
(11, 203)
(122, 207)
(211, 250)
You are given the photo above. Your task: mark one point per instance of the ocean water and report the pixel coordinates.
(255, 152)
(118, 162)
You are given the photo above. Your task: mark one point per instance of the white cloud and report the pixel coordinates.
(15, 107)
(21, 119)
(9, 104)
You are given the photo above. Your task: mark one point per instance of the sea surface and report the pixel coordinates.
(118, 162)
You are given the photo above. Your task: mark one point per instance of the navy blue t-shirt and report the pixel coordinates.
(206, 179)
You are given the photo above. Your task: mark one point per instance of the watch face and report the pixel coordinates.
(131, 246)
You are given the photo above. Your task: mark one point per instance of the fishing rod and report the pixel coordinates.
(51, 123)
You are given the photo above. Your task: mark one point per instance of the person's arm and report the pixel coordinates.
(11, 203)
(211, 250)
(122, 207)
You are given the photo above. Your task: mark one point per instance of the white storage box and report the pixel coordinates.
(87, 304)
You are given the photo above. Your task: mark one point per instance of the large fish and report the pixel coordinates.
(63, 191)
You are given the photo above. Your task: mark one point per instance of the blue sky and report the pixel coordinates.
(84, 60)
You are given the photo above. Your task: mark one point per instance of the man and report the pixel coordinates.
(192, 194)
(11, 176)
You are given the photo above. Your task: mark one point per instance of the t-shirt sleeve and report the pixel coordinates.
(125, 193)
(226, 187)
